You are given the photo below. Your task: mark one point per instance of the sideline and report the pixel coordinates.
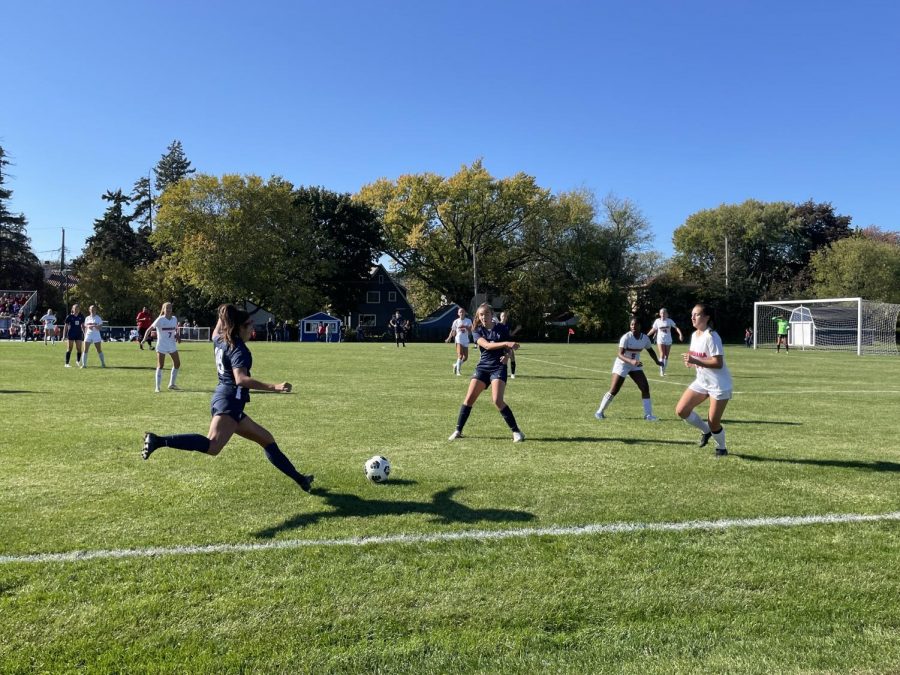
(466, 535)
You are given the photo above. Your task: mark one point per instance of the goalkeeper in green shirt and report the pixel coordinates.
(782, 326)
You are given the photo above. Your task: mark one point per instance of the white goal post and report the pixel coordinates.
(842, 324)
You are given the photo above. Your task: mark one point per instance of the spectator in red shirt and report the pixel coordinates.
(143, 321)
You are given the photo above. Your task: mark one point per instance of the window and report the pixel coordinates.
(367, 320)
(310, 326)
(373, 298)
(392, 296)
(380, 279)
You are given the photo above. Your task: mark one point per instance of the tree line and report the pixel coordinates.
(201, 239)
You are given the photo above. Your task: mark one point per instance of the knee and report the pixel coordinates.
(500, 403)
(682, 411)
(215, 446)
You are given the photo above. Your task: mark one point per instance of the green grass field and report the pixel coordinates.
(810, 434)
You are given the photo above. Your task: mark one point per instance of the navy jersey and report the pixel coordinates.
(229, 358)
(75, 324)
(499, 332)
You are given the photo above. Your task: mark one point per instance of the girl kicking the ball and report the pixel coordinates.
(233, 362)
(628, 363)
(713, 381)
(490, 371)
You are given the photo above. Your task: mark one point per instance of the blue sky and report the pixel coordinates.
(678, 106)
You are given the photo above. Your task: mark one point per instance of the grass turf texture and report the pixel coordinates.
(809, 433)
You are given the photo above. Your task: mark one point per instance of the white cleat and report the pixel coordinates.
(456, 434)
(68, 365)
(518, 437)
(512, 376)
(599, 415)
(156, 390)
(651, 418)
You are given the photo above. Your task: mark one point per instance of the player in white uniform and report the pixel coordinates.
(92, 323)
(713, 381)
(662, 327)
(461, 334)
(166, 327)
(49, 322)
(628, 363)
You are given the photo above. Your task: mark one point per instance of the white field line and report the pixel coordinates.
(466, 535)
(742, 393)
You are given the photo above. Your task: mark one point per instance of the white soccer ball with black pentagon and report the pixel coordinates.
(378, 469)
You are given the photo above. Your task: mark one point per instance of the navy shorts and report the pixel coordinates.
(227, 405)
(75, 336)
(488, 375)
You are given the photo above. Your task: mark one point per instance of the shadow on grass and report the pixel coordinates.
(20, 391)
(131, 367)
(553, 377)
(878, 466)
(792, 424)
(442, 507)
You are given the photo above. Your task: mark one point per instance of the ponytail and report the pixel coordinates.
(231, 319)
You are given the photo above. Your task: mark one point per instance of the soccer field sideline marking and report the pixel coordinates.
(742, 393)
(465, 535)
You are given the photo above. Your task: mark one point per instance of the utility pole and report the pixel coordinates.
(726, 261)
(474, 272)
(150, 198)
(64, 278)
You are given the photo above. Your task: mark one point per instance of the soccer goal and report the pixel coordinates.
(844, 324)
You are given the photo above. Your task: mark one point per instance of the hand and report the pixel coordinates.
(513, 345)
(686, 358)
(284, 387)
(638, 363)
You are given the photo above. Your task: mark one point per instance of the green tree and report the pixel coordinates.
(435, 228)
(858, 266)
(19, 267)
(172, 167)
(346, 236)
(142, 202)
(113, 237)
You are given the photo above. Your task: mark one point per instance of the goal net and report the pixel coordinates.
(845, 324)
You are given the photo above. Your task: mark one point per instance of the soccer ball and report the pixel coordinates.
(378, 469)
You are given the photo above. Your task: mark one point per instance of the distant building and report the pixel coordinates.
(380, 297)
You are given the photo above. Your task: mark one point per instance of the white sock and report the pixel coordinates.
(459, 363)
(607, 399)
(720, 438)
(172, 377)
(158, 377)
(102, 359)
(648, 406)
(84, 359)
(694, 420)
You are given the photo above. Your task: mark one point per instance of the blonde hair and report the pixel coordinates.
(162, 309)
(477, 320)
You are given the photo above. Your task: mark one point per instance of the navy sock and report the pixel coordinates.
(195, 442)
(282, 463)
(464, 411)
(507, 415)
(68, 356)
(512, 367)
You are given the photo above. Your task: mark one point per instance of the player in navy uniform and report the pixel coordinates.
(73, 333)
(490, 371)
(628, 363)
(233, 362)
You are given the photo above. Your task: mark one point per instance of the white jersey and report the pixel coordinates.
(633, 347)
(165, 333)
(92, 325)
(715, 381)
(664, 331)
(49, 320)
(462, 327)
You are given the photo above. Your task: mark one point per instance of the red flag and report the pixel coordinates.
(571, 331)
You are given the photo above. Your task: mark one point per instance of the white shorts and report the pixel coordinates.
(665, 341)
(462, 340)
(715, 394)
(622, 368)
(93, 338)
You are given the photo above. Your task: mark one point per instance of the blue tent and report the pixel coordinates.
(309, 327)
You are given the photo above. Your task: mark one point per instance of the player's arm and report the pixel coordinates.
(630, 362)
(242, 379)
(653, 356)
(713, 362)
(680, 336)
(484, 344)
(217, 331)
(651, 332)
(452, 335)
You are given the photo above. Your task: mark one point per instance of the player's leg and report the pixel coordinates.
(716, 410)
(640, 379)
(221, 429)
(512, 364)
(160, 363)
(664, 357)
(498, 389)
(689, 400)
(252, 431)
(614, 386)
(79, 348)
(69, 345)
(99, 347)
(476, 386)
(176, 364)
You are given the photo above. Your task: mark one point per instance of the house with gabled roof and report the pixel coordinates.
(379, 298)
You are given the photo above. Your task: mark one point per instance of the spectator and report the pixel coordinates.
(270, 329)
(143, 321)
(321, 332)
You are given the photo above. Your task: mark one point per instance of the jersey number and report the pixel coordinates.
(220, 367)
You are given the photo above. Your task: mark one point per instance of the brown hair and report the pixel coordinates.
(477, 319)
(232, 319)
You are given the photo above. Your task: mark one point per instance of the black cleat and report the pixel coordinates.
(306, 482)
(151, 443)
(721, 452)
(704, 439)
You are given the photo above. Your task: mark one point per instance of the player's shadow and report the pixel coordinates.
(131, 367)
(555, 377)
(443, 508)
(792, 424)
(20, 391)
(876, 465)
